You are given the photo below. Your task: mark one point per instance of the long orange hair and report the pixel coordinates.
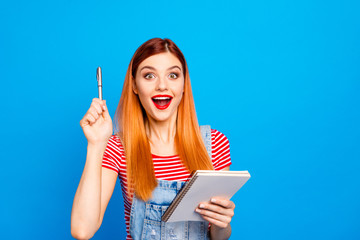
(130, 119)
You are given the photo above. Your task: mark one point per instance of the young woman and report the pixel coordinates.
(157, 145)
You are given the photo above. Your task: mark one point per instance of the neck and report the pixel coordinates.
(161, 132)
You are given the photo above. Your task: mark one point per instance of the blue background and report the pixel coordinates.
(280, 79)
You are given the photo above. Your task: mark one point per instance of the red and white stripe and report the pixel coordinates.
(166, 167)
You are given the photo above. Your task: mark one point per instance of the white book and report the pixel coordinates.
(202, 186)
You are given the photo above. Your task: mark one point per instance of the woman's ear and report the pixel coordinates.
(134, 86)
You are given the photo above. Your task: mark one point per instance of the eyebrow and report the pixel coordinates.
(152, 68)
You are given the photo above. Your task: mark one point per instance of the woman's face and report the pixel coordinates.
(159, 83)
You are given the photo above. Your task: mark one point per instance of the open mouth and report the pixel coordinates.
(161, 102)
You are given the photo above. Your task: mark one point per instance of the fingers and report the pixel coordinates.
(218, 211)
(216, 222)
(88, 119)
(223, 202)
(215, 212)
(96, 109)
(100, 105)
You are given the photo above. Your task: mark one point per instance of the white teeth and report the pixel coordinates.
(161, 98)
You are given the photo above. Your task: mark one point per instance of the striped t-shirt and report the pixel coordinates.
(167, 168)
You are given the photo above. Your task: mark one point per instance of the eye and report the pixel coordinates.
(173, 75)
(149, 76)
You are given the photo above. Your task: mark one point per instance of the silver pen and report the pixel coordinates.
(99, 80)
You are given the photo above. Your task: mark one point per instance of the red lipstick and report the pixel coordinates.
(161, 101)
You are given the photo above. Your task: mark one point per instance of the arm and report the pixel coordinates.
(96, 184)
(219, 213)
(92, 196)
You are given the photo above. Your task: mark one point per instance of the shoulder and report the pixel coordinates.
(218, 137)
(115, 140)
(220, 150)
(114, 155)
(115, 146)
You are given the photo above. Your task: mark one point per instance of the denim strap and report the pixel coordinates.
(206, 135)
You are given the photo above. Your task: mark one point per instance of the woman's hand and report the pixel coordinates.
(97, 123)
(218, 212)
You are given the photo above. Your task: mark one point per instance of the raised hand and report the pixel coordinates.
(97, 123)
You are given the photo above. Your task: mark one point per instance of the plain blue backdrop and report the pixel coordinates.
(280, 79)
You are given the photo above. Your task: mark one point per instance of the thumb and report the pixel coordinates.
(105, 112)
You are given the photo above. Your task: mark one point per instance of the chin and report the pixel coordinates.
(162, 117)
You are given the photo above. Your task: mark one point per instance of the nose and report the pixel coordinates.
(161, 84)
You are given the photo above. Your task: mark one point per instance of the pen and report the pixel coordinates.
(99, 80)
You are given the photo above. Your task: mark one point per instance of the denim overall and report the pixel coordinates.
(145, 217)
